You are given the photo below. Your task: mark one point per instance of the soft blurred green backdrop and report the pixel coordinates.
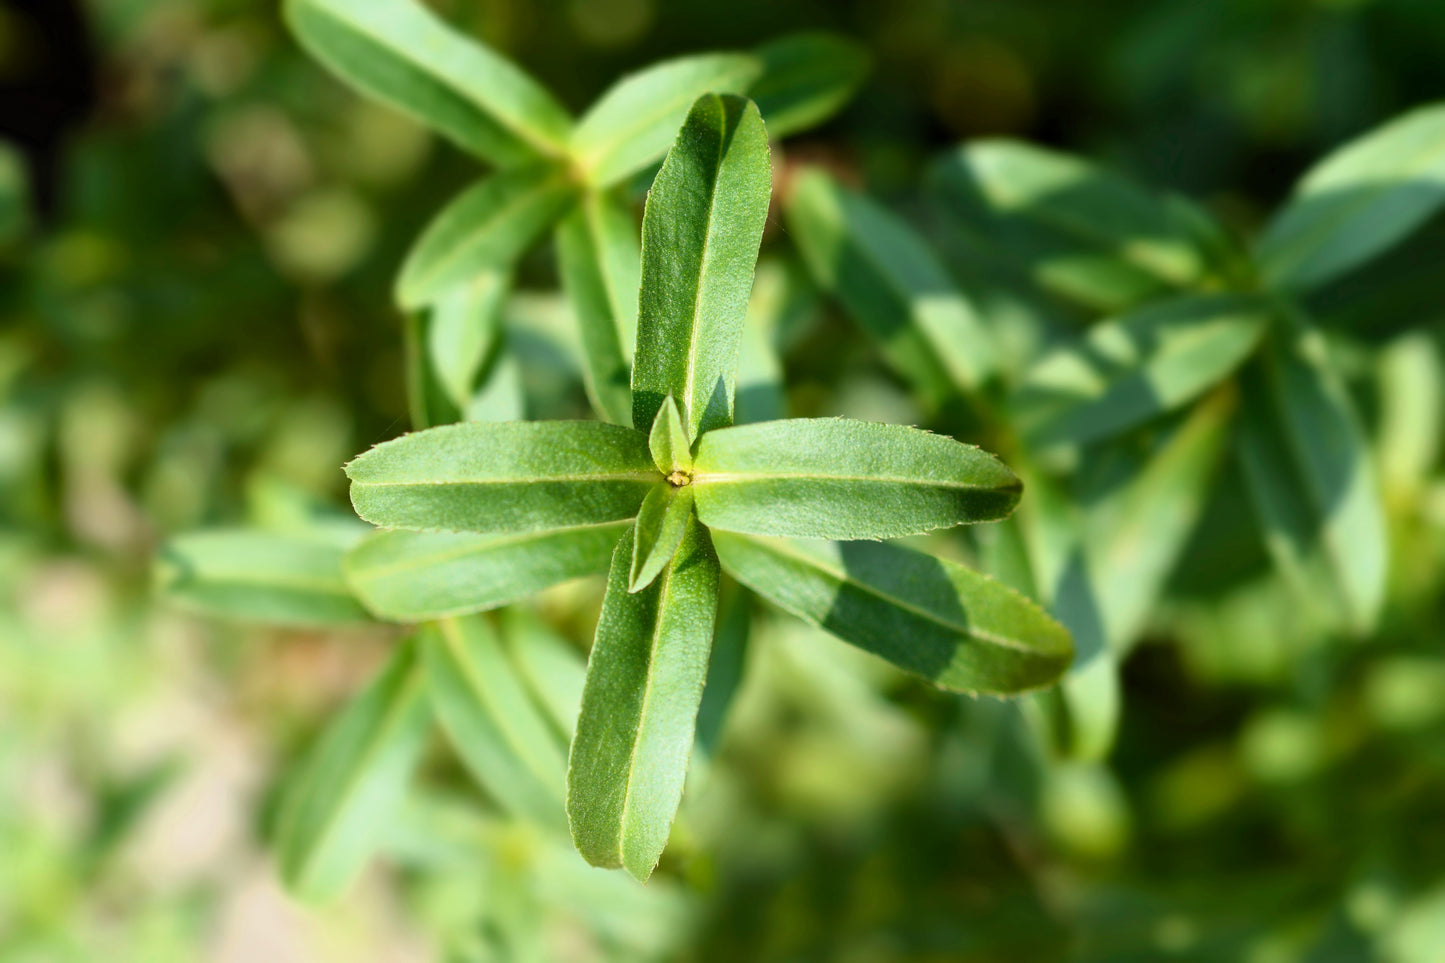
(196, 328)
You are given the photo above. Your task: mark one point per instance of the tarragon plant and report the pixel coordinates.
(695, 496)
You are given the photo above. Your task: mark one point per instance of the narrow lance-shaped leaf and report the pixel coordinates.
(661, 523)
(929, 616)
(336, 811)
(485, 228)
(1309, 474)
(413, 576)
(700, 235)
(1079, 232)
(891, 285)
(639, 707)
(807, 78)
(257, 576)
(490, 719)
(553, 670)
(503, 477)
(400, 53)
(632, 124)
(463, 327)
(1147, 362)
(600, 263)
(1358, 202)
(837, 478)
(668, 441)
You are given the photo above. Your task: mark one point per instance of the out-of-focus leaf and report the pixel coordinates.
(484, 229)
(1359, 201)
(336, 810)
(253, 576)
(552, 669)
(1411, 377)
(639, 708)
(1128, 370)
(1309, 473)
(400, 53)
(461, 332)
(491, 720)
(503, 476)
(725, 666)
(499, 394)
(890, 284)
(838, 478)
(412, 576)
(1388, 295)
(1080, 232)
(926, 615)
(632, 124)
(600, 262)
(700, 235)
(661, 522)
(14, 195)
(807, 78)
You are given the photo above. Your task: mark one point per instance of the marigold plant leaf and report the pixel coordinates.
(661, 523)
(668, 441)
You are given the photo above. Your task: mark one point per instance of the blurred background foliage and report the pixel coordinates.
(198, 234)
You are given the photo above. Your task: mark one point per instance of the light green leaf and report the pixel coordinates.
(670, 446)
(931, 617)
(499, 394)
(553, 670)
(1358, 202)
(1075, 230)
(891, 285)
(485, 228)
(600, 263)
(398, 52)
(336, 810)
(700, 235)
(412, 576)
(254, 576)
(1308, 471)
(807, 78)
(725, 666)
(639, 707)
(1147, 362)
(661, 523)
(503, 477)
(490, 719)
(634, 122)
(463, 327)
(837, 478)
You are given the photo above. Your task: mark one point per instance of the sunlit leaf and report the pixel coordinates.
(639, 708)
(661, 523)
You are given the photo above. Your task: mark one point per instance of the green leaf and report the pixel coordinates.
(661, 523)
(485, 228)
(807, 78)
(553, 670)
(700, 235)
(632, 124)
(1308, 471)
(503, 477)
(14, 194)
(1147, 362)
(461, 332)
(891, 285)
(490, 719)
(931, 617)
(639, 707)
(1358, 202)
(351, 784)
(600, 263)
(412, 576)
(670, 446)
(400, 53)
(257, 576)
(838, 478)
(725, 666)
(1082, 233)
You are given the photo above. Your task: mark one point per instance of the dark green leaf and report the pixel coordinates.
(503, 477)
(700, 237)
(807, 78)
(336, 810)
(411, 576)
(639, 707)
(929, 616)
(837, 478)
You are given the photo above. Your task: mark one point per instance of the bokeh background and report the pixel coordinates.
(196, 329)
